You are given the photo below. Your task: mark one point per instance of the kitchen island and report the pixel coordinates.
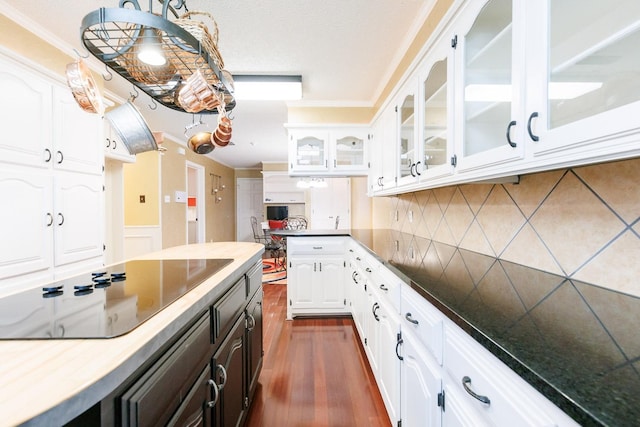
(570, 341)
(52, 381)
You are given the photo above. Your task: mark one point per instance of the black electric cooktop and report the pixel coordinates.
(102, 304)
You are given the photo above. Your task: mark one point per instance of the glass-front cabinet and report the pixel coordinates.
(329, 150)
(409, 159)
(309, 151)
(489, 75)
(436, 114)
(584, 75)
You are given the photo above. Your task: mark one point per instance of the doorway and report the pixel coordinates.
(195, 203)
(249, 202)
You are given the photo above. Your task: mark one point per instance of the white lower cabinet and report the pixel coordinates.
(421, 381)
(430, 373)
(315, 276)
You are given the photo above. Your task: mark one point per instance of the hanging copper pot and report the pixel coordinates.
(199, 141)
(84, 88)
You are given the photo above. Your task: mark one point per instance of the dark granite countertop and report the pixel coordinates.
(574, 342)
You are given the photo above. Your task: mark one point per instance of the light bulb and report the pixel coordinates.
(149, 47)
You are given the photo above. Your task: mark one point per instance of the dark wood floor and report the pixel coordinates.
(315, 372)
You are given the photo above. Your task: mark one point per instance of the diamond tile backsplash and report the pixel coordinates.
(581, 223)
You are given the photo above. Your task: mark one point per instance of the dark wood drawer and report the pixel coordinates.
(155, 397)
(227, 309)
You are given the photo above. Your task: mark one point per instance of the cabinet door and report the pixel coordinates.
(78, 217)
(27, 108)
(349, 151)
(328, 283)
(408, 147)
(421, 383)
(388, 362)
(193, 411)
(113, 146)
(26, 223)
(436, 114)
(299, 283)
(78, 139)
(489, 72)
(254, 341)
(228, 371)
(583, 86)
(308, 151)
(389, 147)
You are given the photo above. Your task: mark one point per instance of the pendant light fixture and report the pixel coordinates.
(149, 47)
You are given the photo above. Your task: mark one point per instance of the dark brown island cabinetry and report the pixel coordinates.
(205, 376)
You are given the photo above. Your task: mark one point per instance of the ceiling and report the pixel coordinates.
(345, 51)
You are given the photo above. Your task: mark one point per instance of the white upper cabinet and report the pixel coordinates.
(384, 169)
(583, 89)
(26, 137)
(329, 150)
(409, 156)
(489, 58)
(436, 114)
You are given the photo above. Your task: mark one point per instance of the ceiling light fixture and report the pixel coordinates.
(148, 46)
(267, 87)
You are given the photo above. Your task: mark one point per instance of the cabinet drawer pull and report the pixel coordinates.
(223, 375)
(251, 322)
(410, 319)
(399, 342)
(531, 135)
(317, 247)
(375, 308)
(358, 258)
(216, 393)
(384, 288)
(465, 383)
(511, 124)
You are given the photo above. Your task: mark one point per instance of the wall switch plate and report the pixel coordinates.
(167, 198)
(180, 197)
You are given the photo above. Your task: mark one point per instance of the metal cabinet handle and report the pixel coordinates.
(384, 288)
(413, 165)
(62, 331)
(216, 393)
(320, 266)
(465, 383)
(115, 144)
(61, 218)
(410, 319)
(531, 135)
(50, 223)
(60, 156)
(399, 342)
(108, 143)
(418, 173)
(368, 270)
(49, 155)
(358, 258)
(253, 322)
(223, 375)
(375, 308)
(511, 124)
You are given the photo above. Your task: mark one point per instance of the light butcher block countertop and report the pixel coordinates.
(49, 382)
